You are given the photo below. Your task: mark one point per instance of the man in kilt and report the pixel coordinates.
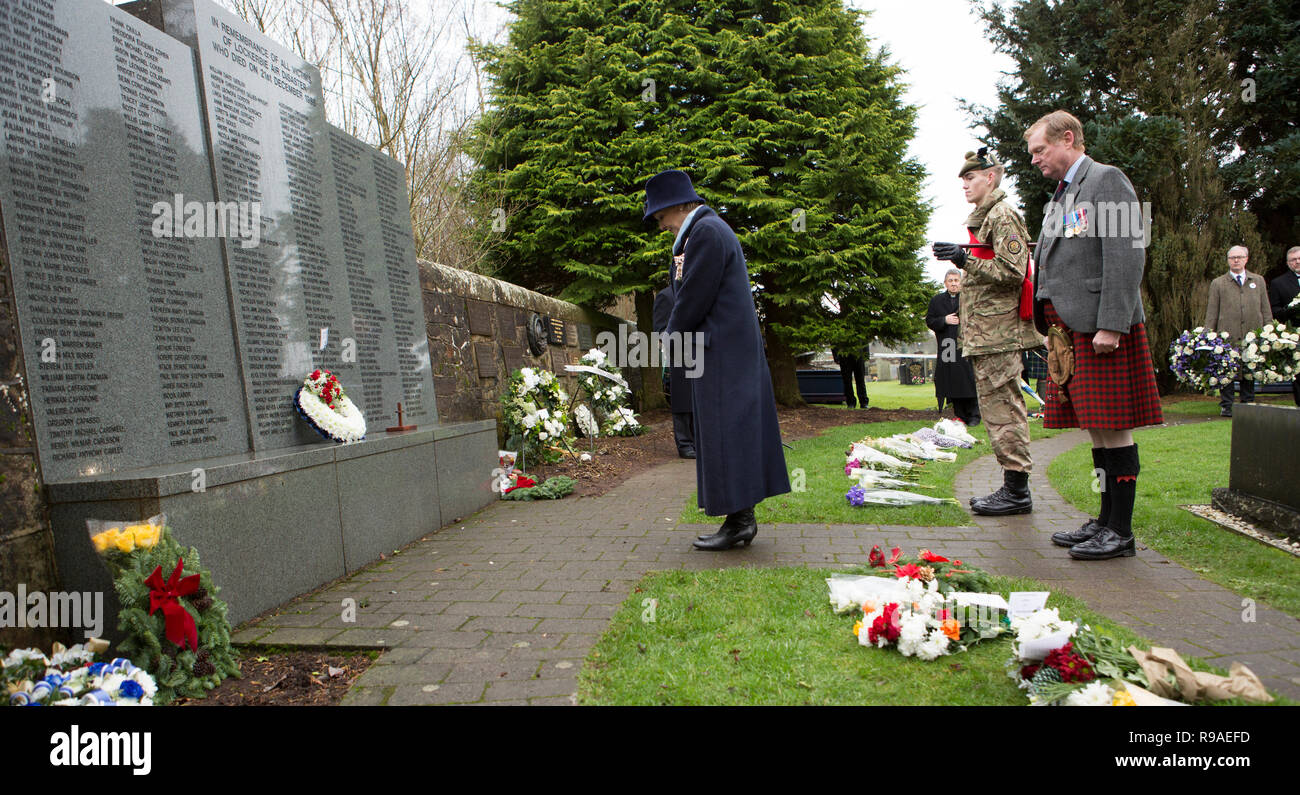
(1088, 302)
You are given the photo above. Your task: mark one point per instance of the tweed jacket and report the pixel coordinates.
(1237, 309)
(1093, 275)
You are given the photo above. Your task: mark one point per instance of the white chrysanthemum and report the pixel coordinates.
(529, 420)
(19, 656)
(1097, 694)
(935, 645)
(597, 356)
(77, 655)
(586, 421)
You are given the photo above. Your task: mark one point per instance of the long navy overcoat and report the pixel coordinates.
(739, 461)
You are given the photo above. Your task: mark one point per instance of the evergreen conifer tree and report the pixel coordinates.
(789, 125)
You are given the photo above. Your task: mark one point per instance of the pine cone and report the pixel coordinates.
(201, 593)
(1044, 676)
(202, 655)
(204, 668)
(202, 604)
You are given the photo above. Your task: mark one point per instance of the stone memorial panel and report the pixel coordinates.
(108, 214)
(383, 281)
(271, 147)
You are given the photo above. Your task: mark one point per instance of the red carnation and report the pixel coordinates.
(1029, 670)
(885, 625)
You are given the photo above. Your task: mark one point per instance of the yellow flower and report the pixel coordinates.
(145, 535)
(1123, 699)
(857, 627)
(103, 541)
(125, 542)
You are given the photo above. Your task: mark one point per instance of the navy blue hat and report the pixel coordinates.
(668, 189)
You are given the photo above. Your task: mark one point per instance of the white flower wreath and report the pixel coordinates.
(339, 419)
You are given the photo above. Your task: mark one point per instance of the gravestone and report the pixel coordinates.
(1264, 471)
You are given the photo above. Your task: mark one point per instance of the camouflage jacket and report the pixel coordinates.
(989, 313)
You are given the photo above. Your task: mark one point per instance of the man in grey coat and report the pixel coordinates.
(1238, 303)
(738, 457)
(1087, 290)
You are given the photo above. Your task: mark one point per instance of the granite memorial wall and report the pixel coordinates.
(188, 238)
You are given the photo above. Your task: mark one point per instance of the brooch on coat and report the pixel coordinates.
(679, 261)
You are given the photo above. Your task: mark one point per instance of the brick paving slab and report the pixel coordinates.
(522, 589)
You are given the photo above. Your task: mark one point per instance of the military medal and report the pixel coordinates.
(1076, 223)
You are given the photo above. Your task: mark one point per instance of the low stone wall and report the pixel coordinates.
(478, 335)
(26, 550)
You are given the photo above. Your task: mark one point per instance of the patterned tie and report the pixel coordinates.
(1060, 188)
(1239, 282)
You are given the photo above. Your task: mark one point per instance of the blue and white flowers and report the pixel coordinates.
(71, 678)
(1204, 360)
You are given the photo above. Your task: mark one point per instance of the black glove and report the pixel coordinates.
(951, 252)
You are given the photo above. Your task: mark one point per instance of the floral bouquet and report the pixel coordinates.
(921, 610)
(73, 677)
(322, 403)
(1060, 662)
(609, 394)
(1204, 360)
(533, 406)
(917, 625)
(1270, 354)
(174, 625)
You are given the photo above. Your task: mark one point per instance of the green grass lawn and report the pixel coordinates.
(768, 636)
(1208, 405)
(1179, 467)
(821, 460)
(894, 395)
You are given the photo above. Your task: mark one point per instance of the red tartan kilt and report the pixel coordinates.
(1113, 392)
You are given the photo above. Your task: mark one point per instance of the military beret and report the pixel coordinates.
(978, 161)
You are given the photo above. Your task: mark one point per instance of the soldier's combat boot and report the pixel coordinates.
(1012, 498)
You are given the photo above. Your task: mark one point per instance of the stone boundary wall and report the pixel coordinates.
(26, 547)
(477, 328)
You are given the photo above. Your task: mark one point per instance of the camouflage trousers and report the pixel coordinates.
(1002, 406)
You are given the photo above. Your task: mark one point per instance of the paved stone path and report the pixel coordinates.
(502, 608)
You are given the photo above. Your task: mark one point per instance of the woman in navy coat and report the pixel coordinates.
(739, 461)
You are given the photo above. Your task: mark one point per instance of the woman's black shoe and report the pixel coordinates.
(740, 528)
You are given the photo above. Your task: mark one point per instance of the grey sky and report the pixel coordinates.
(941, 46)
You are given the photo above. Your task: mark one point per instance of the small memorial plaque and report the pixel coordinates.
(585, 339)
(554, 331)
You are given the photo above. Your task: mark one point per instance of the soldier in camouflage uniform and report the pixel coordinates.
(993, 332)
